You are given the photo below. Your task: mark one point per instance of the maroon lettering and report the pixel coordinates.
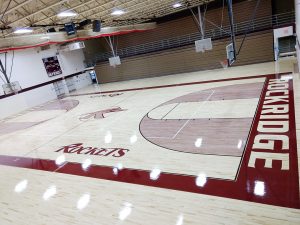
(68, 148)
(100, 151)
(276, 99)
(100, 114)
(277, 86)
(114, 150)
(275, 109)
(80, 149)
(272, 128)
(91, 151)
(120, 153)
(282, 92)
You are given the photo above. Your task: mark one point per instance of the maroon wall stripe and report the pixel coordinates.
(45, 84)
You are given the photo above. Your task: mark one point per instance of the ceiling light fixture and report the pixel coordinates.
(117, 12)
(23, 31)
(177, 5)
(67, 13)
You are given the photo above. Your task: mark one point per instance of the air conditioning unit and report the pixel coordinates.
(72, 46)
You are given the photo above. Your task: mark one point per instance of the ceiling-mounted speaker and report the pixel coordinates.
(51, 30)
(70, 28)
(96, 26)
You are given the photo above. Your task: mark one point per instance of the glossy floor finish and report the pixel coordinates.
(213, 147)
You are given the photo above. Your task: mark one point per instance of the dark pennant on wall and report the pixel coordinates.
(52, 66)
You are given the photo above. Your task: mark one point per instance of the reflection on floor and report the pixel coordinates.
(36, 115)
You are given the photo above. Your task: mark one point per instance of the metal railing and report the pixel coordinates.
(188, 39)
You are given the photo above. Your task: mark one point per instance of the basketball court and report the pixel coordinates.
(150, 149)
(212, 146)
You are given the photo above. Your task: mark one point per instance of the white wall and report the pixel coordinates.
(29, 70)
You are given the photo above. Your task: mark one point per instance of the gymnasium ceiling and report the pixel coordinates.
(24, 13)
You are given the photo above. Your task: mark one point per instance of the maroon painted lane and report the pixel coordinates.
(161, 131)
(268, 172)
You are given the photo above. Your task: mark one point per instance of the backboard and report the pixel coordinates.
(10, 88)
(115, 61)
(230, 54)
(203, 45)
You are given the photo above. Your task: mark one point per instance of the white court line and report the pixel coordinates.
(213, 91)
(170, 111)
(183, 126)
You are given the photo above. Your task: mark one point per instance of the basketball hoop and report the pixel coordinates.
(224, 63)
